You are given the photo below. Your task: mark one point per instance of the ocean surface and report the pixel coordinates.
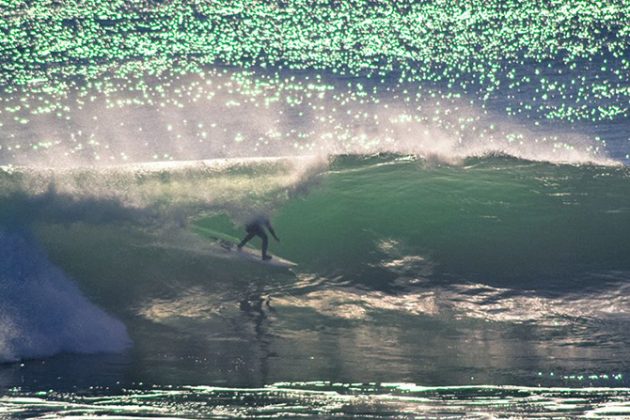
(452, 180)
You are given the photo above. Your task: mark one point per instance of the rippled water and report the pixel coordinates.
(450, 178)
(328, 399)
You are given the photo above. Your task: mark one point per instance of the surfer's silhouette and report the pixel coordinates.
(256, 227)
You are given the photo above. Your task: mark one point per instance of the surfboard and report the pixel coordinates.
(229, 245)
(254, 255)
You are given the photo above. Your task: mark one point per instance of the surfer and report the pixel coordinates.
(256, 227)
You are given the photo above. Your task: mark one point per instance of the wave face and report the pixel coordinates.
(402, 262)
(493, 219)
(43, 312)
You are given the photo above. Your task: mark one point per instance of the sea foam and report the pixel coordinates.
(43, 312)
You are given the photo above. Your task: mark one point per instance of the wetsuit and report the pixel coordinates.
(256, 227)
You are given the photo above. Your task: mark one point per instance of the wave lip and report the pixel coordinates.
(42, 312)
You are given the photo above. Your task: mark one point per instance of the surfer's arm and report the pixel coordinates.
(272, 232)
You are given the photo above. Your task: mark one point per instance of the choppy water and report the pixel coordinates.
(460, 219)
(329, 400)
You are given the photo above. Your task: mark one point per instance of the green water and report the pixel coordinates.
(494, 271)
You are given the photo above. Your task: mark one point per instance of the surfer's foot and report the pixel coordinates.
(266, 257)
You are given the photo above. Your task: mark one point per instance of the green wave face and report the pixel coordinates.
(402, 263)
(496, 220)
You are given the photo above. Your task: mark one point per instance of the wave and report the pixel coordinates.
(42, 311)
(258, 185)
(482, 209)
(496, 239)
(173, 189)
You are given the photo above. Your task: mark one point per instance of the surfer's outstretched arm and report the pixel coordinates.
(272, 232)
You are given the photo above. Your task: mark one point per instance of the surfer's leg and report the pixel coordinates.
(246, 239)
(265, 242)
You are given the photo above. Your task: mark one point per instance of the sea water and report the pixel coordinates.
(451, 179)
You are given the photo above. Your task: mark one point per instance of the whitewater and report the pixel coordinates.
(461, 241)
